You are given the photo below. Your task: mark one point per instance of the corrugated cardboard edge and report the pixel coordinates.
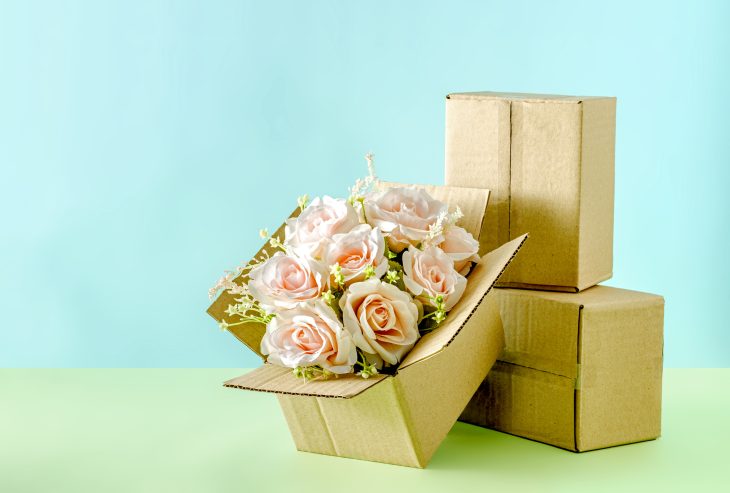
(279, 380)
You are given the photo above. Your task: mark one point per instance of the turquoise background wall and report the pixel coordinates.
(143, 144)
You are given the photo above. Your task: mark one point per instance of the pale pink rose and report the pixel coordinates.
(403, 215)
(283, 281)
(461, 246)
(309, 335)
(430, 273)
(318, 222)
(354, 251)
(382, 319)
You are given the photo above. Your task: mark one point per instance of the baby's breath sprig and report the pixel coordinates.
(369, 272)
(274, 241)
(364, 185)
(333, 300)
(247, 309)
(443, 222)
(392, 276)
(228, 282)
(436, 317)
(338, 279)
(367, 369)
(312, 372)
(328, 297)
(302, 201)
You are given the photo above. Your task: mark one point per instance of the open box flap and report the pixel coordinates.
(278, 380)
(481, 280)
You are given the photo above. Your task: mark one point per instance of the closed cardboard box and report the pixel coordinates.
(549, 164)
(580, 371)
(399, 418)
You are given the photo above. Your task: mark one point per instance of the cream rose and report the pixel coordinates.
(355, 251)
(461, 246)
(308, 335)
(403, 215)
(283, 281)
(431, 273)
(317, 223)
(382, 319)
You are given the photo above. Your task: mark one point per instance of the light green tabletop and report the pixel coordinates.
(178, 430)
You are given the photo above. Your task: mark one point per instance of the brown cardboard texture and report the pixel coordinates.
(401, 418)
(580, 371)
(549, 164)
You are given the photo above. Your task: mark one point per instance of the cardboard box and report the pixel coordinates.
(580, 371)
(549, 163)
(400, 418)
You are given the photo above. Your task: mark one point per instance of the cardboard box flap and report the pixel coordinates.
(249, 333)
(481, 281)
(279, 380)
(471, 201)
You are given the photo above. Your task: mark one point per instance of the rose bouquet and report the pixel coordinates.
(354, 283)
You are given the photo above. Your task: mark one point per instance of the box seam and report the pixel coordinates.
(415, 445)
(327, 427)
(577, 276)
(576, 396)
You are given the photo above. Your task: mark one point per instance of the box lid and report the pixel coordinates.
(525, 97)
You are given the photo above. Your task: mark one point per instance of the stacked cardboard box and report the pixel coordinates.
(582, 368)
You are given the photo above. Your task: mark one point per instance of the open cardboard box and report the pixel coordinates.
(398, 418)
(549, 163)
